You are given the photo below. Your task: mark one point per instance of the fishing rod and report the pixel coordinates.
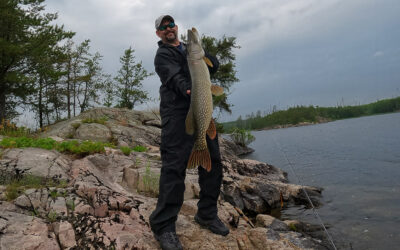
(305, 192)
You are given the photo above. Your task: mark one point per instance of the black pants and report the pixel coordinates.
(176, 147)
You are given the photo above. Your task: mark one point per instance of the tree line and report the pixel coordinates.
(311, 114)
(43, 70)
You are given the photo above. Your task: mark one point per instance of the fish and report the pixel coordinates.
(199, 120)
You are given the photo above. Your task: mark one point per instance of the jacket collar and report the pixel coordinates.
(166, 45)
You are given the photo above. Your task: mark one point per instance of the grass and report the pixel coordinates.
(16, 185)
(23, 142)
(74, 147)
(150, 182)
(54, 194)
(127, 150)
(8, 128)
(82, 148)
(140, 148)
(313, 114)
(35, 212)
(293, 227)
(101, 120)
(71, 204)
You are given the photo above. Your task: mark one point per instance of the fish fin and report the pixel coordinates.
(217, 90)
(212, 130)
(208, 61)
(200, 158)
(189, 122)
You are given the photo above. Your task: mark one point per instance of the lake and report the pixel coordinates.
(356, 162)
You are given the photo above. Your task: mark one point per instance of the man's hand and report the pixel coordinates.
(188, 91)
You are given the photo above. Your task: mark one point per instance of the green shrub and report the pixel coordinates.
(140, 148)
(76, 125)
(242, 137)
(125, 150)
(52, 216)
(219, 127)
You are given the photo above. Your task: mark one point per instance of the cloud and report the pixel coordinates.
(288, 48)
(378, 54)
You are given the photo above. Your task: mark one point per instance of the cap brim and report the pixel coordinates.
(166, 17)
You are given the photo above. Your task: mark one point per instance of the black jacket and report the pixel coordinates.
(172, 67)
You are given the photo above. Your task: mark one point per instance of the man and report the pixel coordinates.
(171, 66)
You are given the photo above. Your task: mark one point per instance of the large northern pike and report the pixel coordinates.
(199, 118)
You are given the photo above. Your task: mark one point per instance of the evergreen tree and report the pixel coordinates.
(129, 81)
(44, 71)
(25, 32)
(91, 83)
(226, 74)
(109, 90)
(80, 58)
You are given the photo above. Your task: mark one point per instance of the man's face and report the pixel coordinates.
(169, 35)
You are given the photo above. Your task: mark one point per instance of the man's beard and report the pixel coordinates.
(171, 39)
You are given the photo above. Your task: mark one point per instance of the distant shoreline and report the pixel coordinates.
(302, 124)
(309, 115)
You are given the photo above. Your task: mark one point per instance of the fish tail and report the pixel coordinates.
(200, 158)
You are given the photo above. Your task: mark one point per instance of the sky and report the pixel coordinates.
(293, 52)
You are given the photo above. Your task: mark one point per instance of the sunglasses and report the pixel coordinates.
(164, 27)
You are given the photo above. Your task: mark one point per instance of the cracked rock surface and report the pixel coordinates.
(105, 204)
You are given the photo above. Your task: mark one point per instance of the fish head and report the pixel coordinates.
(194, 46)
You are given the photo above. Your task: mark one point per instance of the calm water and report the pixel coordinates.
(357, 162)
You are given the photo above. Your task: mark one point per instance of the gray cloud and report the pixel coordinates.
(293, 51)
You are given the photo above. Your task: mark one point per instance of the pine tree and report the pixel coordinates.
(108, 87)
(226, 74)
(44, 71)
(129, 81)
(89, 87)
(25, 32)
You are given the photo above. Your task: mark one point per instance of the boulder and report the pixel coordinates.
(20, 231)
(127, 127)
(35, 161)
(65, 233)
(93, 132)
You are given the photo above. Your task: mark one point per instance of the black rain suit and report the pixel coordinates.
(171, 66)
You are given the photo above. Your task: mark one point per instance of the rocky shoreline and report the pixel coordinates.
(300, 124)
(108, 197)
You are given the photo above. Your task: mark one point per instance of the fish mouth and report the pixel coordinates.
(193, 35)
